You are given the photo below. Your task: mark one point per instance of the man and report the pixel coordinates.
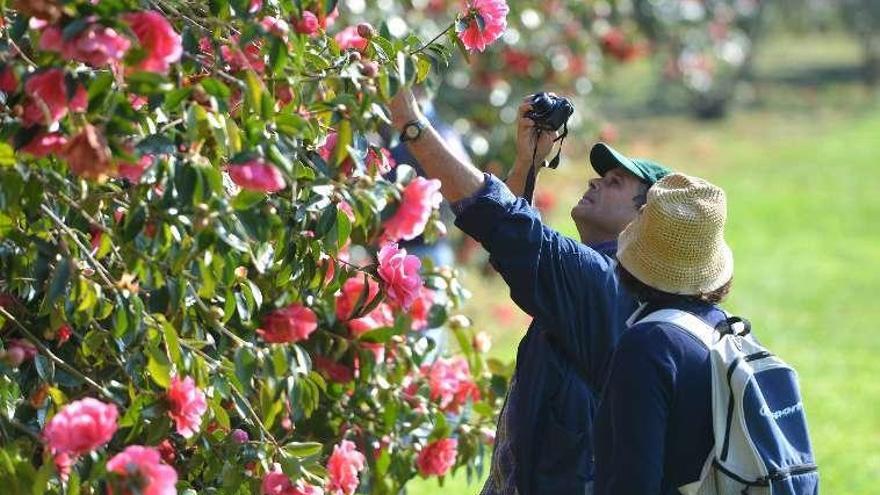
(654, 425)
(544, 438)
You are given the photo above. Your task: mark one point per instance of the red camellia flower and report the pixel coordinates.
(157, 38)
(48, 100)
(343, 466)
(451, 383)
(87, 154)
(351, 292)
(257, 175)
(134, 171)
(335, 372)
(141, 467)
(63, 334)
(291, 324)
(96, 45)
(44, 144)
(186, 405)
(421, 308)
(494, 21)
(400, 272)
(349, 38)
(81, 427)
(419, 198)
(438, 457)
(8, 80)
(247, 58)
(308, 24)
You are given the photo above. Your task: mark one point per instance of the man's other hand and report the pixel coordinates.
(527, 135)
(404, 108)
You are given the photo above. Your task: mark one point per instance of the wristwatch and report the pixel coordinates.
(412, 130)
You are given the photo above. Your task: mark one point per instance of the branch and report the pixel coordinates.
(102, 272)
(57, 360)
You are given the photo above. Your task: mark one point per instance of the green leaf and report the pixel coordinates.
(423, 68)
(380, 335)
(343, 141)
(247, 199)
(216, 88)
(7, 154)
(159, 368)
(156, 144)
(245, 365)
(45, 368)
(174, 98)
(172, 342)
(60, 279)
(277, 55)
(42, 479)
(303, 449)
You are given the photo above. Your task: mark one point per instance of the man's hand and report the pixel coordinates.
(526, 137)
(404, 109)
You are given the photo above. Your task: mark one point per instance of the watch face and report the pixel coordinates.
(412, 131)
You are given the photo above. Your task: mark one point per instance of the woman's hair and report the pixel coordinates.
(645, 293)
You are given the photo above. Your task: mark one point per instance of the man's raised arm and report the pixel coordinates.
(527, 154)
(458, 179)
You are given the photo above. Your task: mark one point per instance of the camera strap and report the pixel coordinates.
(529, 190)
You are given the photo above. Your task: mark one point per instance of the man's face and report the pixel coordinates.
(608, 205)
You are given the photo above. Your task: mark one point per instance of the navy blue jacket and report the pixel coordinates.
(654, 424)
(544, 440)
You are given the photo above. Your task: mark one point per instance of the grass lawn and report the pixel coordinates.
(803, 183)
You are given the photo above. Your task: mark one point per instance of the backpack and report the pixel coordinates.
(762, 446)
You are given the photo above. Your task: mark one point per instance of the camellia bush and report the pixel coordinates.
(201, 288)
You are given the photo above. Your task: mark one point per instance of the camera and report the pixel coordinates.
(550, 112)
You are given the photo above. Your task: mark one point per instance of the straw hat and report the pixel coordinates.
(676, 244)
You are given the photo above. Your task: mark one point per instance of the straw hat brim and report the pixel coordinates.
(660, 271)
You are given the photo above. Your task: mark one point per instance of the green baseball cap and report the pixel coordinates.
(604, 158)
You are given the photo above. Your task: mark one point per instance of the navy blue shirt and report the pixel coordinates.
(653, 430)
(579, 309)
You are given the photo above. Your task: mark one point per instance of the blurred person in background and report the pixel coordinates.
(579, 307)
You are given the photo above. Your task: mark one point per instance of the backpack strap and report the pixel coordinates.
(682, 319)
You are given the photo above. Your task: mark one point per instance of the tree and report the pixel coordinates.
(200, 281)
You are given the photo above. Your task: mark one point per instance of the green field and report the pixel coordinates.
(801, 166)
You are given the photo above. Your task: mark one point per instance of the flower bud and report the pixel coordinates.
(366, 30)
(457, 322)
(369, 68)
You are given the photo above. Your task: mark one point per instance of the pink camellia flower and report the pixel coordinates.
(239, 436)
(246, 58)
(186, 405)
(421, 308)
(137, 101)
(81, 427)
(438, 457)
(494, 15)
(419, 198)
(381, 316)
(380, 161)
(48, 100)
(8, 80)
(451, 383)
(257, 175)
(158, 39)
(343, 466)
(277, 483)
(254, 6)
(308, 24)
(96, 45)
(141, 471)
(63, 464)
(19, 351)
(291, 324)
(276, 26)
(349, 38)
(44, 144)
(400, 272)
